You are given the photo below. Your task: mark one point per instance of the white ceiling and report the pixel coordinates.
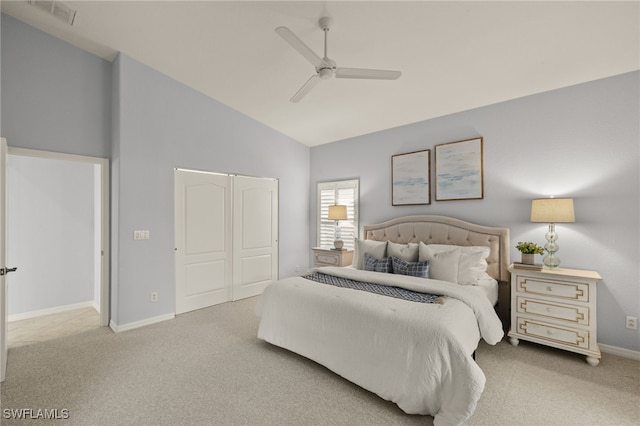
(453, 55)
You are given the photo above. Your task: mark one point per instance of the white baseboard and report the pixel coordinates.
(623, 352)
(130, 326)
(50, 311)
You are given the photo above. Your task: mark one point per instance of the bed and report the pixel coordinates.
(418, 354)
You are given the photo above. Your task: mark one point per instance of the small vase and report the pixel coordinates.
(528, 258)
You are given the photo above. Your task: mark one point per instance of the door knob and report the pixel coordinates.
(5, 271)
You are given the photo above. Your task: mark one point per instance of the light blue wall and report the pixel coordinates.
(161, 124)
(581, 142)
(56, 97)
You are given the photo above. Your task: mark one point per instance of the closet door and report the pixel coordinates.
(203, 239)
(255, 235)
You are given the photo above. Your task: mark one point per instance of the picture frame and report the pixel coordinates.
(411, 178)
(459, 170)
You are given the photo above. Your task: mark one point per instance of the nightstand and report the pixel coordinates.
(555, 307)
(324, 256)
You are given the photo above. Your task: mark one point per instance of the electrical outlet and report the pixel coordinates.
(632, 323)
(297, 269)
(154, 296)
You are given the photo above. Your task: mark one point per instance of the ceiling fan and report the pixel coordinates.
(325, 67)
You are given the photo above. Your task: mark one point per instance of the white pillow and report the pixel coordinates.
(473, 261)
(377, 249)
(408, 252)
(443, 265)
(473, 265)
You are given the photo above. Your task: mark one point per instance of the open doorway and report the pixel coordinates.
(57, 213)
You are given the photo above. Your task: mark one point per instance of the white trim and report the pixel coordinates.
(51, 311)
(623, 352)
(130, 326)
(27, 152)
(206, 172)
(105, 284)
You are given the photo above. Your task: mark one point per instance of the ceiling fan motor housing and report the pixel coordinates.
(325, 73)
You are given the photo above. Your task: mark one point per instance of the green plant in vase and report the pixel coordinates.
(529, 250)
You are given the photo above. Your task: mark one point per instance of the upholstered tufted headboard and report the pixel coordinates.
(447, 230)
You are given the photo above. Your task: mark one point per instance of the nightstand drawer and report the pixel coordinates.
(560, 289)
(327, 258)
(575, 314)
(553, 333)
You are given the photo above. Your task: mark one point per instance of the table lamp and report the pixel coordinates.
(552, 211)
(337, 213)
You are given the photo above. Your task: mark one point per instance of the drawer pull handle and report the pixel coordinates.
(549, 332)
(549, 288)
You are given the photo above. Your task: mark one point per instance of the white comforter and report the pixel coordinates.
(418, 355)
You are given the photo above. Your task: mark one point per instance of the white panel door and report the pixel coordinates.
(203, 239)
(255, 235)
(3, 259)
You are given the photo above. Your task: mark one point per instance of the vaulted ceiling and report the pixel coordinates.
(453, 55)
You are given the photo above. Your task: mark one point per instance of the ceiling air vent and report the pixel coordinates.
(56, 8)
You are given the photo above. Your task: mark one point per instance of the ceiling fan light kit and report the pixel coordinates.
(326, 67)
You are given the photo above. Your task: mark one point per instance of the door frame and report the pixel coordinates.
(103, 163)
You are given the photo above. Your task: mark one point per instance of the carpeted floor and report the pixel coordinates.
(208, 368)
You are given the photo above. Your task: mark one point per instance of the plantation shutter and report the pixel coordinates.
(341, 193)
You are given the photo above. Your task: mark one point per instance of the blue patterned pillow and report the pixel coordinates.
(377, 265)
(414, 269)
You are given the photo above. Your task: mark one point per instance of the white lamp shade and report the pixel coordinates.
(337, 212)
(552, 210)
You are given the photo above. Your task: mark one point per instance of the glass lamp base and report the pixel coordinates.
(551, 261)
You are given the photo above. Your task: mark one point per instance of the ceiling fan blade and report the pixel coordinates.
(306, 88)
(302, 48)
(368, 74)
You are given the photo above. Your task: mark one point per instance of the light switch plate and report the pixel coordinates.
(141, 235)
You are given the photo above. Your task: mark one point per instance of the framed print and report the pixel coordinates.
(410, 178)
(459, 170)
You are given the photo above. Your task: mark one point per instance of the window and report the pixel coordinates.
(344, 192)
